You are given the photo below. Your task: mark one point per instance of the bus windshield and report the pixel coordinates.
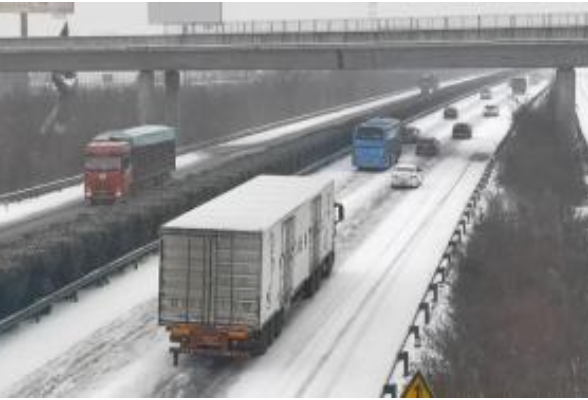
(103, 163)
(369, 134)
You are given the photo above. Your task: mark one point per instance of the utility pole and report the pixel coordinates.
(24, 24)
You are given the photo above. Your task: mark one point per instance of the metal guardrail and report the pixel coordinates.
(479, 22)
(44, 305)
(465, 222)
(40, 189)
(460, 22)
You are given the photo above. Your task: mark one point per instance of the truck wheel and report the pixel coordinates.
(310, 286)
(261, 347)
(271, 331)
(329, 265)
(318, 279)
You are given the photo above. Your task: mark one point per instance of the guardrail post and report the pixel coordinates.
(443, 272)
(424, 306)
(390, 390)
(433, 287)
(404, 358)
(415, 331)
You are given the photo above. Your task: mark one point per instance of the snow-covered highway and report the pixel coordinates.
(341, 343)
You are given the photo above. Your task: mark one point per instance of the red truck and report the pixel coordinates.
(118, 163)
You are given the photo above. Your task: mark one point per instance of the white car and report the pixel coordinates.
(407, 176)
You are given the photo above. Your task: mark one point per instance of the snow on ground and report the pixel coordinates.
(12, 213)
(34, 344)
(333, 345)
(188, 160)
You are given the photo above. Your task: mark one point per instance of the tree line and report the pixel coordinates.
(518, 319)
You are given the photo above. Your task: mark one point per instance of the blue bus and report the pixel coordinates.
(377, 144)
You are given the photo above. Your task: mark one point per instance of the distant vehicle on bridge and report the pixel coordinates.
(519, 85)
(377, 144)
(118, 163)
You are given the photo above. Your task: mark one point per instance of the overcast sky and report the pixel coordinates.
(131, 18)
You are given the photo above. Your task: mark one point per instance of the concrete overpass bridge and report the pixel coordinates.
(491, 41)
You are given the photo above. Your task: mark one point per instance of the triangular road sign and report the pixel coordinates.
(418, 387)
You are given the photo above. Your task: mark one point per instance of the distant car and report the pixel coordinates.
(410, 134)
(486, 94)
(450, 113)
(462, 130)
(428, 147)
(491, 110)
(407, 176)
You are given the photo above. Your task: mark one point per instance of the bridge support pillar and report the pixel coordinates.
(146, 97)
(565, 99)
(172, 99)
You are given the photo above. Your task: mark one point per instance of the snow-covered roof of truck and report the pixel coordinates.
(143, 135)
(253, 206)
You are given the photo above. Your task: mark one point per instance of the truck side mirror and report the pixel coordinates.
(339, 213)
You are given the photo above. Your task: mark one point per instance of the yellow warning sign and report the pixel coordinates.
(418, 387)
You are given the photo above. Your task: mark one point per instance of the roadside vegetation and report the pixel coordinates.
(518, 319)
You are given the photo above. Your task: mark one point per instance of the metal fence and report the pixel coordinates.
(476, 22)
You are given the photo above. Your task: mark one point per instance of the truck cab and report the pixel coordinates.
(121, 162)
(107, 171)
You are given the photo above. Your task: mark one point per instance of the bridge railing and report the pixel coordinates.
(465, 22)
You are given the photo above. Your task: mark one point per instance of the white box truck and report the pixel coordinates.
(232, 268)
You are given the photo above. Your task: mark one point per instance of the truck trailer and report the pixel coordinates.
(519, 85)
(117, 163)
(232, 269)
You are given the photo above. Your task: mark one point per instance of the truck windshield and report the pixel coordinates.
(103, 163)
(369, 134)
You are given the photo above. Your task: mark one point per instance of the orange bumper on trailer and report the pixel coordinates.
(227, 341)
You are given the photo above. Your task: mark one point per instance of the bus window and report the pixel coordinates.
(369, 134)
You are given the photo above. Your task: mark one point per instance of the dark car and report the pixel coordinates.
(428, 147)
(450, 113)
(462, 130)
(409, 134)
